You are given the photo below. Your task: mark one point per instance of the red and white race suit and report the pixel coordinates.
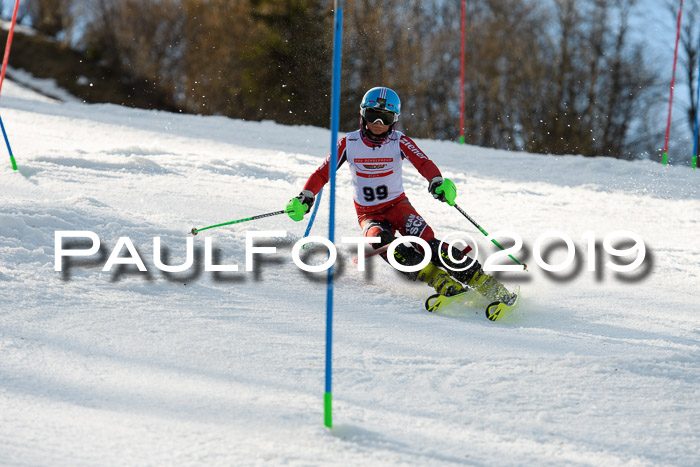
(377, 181)
(375, 168)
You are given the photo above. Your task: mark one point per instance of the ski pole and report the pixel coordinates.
(312, 219)
(486, 234)
(259, 216)
(313, 214)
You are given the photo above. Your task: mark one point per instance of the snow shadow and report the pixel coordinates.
(374, 441)
(132, 164)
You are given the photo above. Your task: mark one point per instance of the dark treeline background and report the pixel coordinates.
(546, 76)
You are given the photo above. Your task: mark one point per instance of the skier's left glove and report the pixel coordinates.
(443, 189)
(297, 207)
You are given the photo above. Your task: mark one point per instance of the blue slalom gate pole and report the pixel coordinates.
(7, 141)
(697, 111)
(335, 117)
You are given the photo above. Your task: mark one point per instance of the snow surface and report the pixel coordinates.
(131, 368)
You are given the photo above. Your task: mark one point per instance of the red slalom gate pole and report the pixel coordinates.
(673, 83)
(8, 45)
(461, 85)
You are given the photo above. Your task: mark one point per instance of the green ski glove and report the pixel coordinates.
(443, 189)
(297, 207)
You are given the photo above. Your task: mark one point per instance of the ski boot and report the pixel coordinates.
(436, 277)
(490, 288)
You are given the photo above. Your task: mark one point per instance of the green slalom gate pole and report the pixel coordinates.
(195, 230)
(481, 229)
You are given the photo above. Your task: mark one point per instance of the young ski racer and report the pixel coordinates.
(374, 155)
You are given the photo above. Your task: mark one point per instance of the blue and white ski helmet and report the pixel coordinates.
(383, 99)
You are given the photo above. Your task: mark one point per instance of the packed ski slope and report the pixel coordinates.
(198, 367)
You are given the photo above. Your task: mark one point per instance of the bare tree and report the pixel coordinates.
(689, 50)
(599, 79)
(49, 16)
(408, 46)
(217, 36)
(558, 80)
(509, 87)
(138, 40)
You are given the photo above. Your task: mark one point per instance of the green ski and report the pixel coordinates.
(498, 310)
(494, 311)
(437, 301)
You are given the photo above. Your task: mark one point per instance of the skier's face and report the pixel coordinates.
(377, 128)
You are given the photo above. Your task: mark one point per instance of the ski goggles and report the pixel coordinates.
(372, 115)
